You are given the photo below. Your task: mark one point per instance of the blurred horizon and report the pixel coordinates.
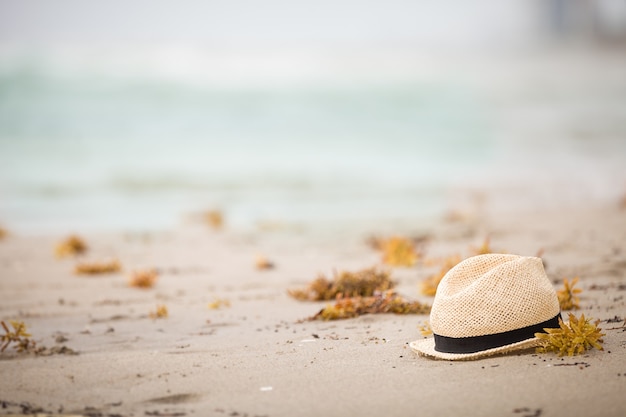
(132, 114)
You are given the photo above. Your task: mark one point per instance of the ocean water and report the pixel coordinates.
(86, 149)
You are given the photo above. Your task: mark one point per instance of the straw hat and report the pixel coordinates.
(490, 304)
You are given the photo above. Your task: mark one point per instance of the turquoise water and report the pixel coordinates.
(86, 150)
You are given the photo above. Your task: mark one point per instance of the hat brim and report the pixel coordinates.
(426, 347)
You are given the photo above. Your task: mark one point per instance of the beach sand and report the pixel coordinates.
(257, 355)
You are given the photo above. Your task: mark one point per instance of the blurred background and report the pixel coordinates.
(130, 115)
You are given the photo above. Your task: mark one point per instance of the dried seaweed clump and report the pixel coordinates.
(430, 284)
(399, 251)
(567, 295)
(387, 302)
(573, 338)
(143, 279)
(95, 268)
(483, 249)
(263, 264)
(160, 313)
(219, 303)
(18, 337)
(426, 330)
(72, 245)
(214, 218)
(3, 233)
(363, 283)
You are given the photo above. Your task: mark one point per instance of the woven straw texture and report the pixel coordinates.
(489, 294)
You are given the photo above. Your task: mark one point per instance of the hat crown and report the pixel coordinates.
(493, 293)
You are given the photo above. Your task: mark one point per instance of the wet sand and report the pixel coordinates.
(257, 355)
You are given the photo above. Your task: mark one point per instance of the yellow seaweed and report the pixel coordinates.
(573, 338)
(430, 284)
(143, 278)
(425, 329)
(214, 218)
(95, 268)
(399, 251)
(567, 295)
(388, 302)
(160, 313)
(18, 336)
(483, 249)
(219, 303)
(70, 246)
(262, 263)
